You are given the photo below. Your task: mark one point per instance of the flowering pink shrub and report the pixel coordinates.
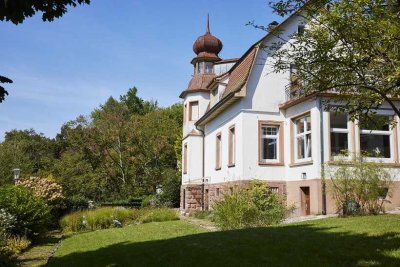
(44, 188)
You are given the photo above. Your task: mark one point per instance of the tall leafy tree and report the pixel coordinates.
(350, 47)
(33, 153)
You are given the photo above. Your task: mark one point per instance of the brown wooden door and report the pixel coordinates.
(305, 200)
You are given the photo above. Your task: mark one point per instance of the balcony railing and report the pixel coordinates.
(293, 91)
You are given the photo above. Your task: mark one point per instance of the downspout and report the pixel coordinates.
(321, 127)
(202, 169)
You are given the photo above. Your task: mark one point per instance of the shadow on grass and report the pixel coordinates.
(297, 245)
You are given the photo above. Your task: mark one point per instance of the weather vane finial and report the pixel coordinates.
(208, 23)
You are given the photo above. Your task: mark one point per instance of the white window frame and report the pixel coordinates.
(389, 133)
(270, 136)
(304, 135)
(340, 130)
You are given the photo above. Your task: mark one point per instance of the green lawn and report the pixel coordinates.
(359, 241)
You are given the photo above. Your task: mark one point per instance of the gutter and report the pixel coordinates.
(321, 124)
(202, 167)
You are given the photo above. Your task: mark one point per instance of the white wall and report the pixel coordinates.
(222, 123)
(204, 99)
(195, 159)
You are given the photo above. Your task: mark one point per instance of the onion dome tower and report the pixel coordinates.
(207, 48)
(196, 99)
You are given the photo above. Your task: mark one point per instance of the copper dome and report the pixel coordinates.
(207, 45)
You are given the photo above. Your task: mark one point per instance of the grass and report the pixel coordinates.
(356, 241)
(39, 253)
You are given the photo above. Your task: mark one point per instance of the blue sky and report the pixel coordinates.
(70, 66)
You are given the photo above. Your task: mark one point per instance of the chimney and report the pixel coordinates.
(272, 26)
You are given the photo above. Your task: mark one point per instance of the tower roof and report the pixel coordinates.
(207, 46)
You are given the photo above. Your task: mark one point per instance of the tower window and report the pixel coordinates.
(208, 68)
(194, 111)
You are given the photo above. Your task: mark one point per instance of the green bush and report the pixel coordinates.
(76, 203)
(254, 206)
(360, 187)
(108, 217)
(31, 213)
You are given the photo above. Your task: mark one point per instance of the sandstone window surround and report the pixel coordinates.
(218, 151)
(270, 143)
(232, 147)
(193, 110)
(185, 158)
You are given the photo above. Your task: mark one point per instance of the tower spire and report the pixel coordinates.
(208, 23)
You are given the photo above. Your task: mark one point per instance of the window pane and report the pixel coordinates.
(300, 126)
(308, 123)
(300, 147)
(270, 148)
(378, 122)
(308, 146)
(339, 143)
(338, 120)
(375, 145)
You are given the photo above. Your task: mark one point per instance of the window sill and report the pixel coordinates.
(262, 163)
(218, 168)
(231, 165)
(350, 162)
(303, 163)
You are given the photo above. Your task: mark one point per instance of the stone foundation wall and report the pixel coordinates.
(193, 195)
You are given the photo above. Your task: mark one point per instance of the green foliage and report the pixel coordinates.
(171, 189)
(17, 11)
(33, 153)
(359, 187)
(135, 104)
(250, 207)
(3, 91)
(125, 148)
(348, 46)
(103, 218)
(149, 201)
(31, 213)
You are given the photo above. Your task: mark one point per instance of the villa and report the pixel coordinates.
(243, 121)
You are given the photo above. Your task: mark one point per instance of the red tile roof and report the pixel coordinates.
(240, 72)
